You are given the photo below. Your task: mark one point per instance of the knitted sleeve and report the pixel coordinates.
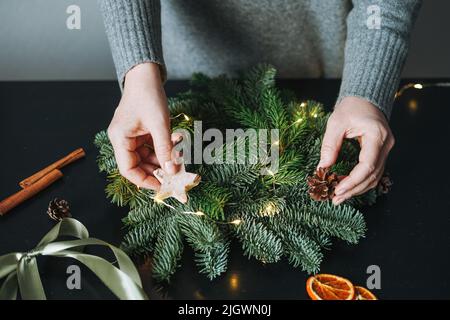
(133, 28)
(376, 49)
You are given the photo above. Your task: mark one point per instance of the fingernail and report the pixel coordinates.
(178, 139)
(337, 201)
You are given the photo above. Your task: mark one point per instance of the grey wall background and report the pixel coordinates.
(36, 45)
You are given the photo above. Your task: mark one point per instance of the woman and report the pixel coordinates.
(364, 42)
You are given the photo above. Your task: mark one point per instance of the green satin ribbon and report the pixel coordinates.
(21, 270)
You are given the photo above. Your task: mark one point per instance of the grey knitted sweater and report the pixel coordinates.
(301, 38)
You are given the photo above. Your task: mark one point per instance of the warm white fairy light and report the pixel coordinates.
(234, 281)
(236, 222)
(420, 86)
(161, 201)
(303, 104)
(184, 115)
(269, 210)
(158, 200)
(195, 213)
(299, 120)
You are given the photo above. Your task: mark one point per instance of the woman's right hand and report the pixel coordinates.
(140, 129)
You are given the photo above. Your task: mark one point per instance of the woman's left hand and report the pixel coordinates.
(355, 117)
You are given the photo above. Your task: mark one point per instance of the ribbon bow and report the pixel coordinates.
(21, 270)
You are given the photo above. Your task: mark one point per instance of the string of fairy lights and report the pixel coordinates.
(420, 86)
(195, 213)
(270, 209)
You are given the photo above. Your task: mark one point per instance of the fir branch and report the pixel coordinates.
(141, 215)
(300, 248)
(273, 107)
(210, 199)
(259, 205)
(212, 262)
(122, 192)
(302, 251)
(228, 94)
(258, 241)
(168, 249)
(236, 175)
(256, 82)
(210, 246)
(105, 159)
(343, 221)
(140, 239)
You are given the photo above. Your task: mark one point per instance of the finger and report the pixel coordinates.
(331, 144)
(124, 153)
(128, 161)
(142, 140)
(176, 138)
(142, 179)
(366, 186)
(361, 188)
(163, 148)
(148, 168)
(152, 159)
(144, 152)
(370, 184)
(148, 155)
(365, 169)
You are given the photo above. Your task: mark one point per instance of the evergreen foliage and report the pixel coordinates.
(278, 218)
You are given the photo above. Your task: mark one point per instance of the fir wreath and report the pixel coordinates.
(272, 216)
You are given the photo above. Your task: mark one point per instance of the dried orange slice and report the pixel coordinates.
(362, 293)
(329, 287)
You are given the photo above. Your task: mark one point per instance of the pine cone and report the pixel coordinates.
(58, 209)
(322, 184)
(385, 184)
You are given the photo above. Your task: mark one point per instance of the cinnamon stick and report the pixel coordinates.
(26, 193)
(73, 156)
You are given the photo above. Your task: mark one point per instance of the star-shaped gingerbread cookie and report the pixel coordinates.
(176, 185)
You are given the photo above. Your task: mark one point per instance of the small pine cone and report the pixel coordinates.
(58, 209)
(385, 184)
(322, 184)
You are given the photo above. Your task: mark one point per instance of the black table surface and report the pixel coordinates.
(408, 233)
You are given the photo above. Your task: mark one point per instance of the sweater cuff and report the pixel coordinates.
(377, 59)
(134, 33)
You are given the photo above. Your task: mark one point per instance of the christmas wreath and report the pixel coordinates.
(284, 214)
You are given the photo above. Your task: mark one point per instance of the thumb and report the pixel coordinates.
(331, 144)
(162, 144)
